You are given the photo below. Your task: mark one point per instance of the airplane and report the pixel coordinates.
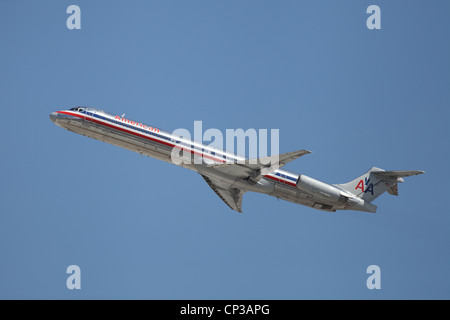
(229, 175)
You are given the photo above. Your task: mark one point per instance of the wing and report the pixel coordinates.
(248, 169)
(231, 196)
(256, 168)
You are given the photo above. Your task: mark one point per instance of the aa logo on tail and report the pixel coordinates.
(365, 183)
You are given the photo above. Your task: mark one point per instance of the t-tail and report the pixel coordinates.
(372, 184)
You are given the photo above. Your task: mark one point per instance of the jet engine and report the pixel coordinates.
(261, 186)
(322, 190)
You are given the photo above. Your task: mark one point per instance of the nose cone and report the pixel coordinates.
(53, 116)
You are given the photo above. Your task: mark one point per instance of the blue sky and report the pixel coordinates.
(141, 228)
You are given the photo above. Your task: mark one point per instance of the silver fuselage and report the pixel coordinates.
(156, 143)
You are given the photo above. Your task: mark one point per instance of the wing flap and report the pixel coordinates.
(231, 196)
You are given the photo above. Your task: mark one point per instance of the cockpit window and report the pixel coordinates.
(77, 109)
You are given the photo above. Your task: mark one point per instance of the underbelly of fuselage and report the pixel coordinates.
(154, 149)
(121, 139)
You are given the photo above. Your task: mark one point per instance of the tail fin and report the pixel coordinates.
(375, 182)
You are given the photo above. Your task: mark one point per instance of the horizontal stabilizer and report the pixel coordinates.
(398, 174)
(375, 182)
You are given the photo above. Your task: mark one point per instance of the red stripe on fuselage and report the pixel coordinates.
(281, 181)
(138, 134)
(163, 142)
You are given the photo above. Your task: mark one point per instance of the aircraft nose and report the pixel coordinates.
(53, 116)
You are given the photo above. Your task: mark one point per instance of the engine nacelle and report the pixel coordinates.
(322, 190)
(261, 186)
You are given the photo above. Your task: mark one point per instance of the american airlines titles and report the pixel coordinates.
(137, 124)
